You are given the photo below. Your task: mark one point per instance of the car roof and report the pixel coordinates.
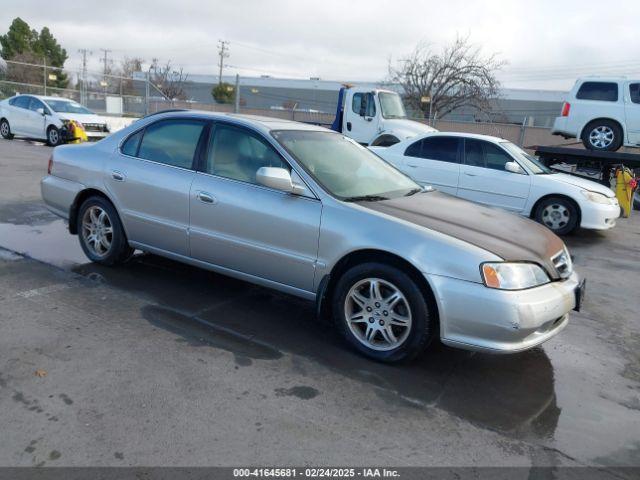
(266, 124)
(597, 78)
(45, 98)
(476, 136)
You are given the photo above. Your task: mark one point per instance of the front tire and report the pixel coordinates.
(5, 129)
(54, 137)
(558, 214)
(100, 231)
(382, 313)
(636, 200)
(602, 135)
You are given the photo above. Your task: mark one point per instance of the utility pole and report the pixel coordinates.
(83, 81)
(44, 63)
(236, 108)
(223, 52)
(105, 68)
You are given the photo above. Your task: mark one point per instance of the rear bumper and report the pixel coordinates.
(561, 127)
(59, 194)
(475, 317)
(599, 217)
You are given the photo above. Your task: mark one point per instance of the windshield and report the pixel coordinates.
(65, 106)
(346, 169)
(391, 105)
(531, 162)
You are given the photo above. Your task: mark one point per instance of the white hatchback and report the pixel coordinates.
(47, 118)
(494, 171)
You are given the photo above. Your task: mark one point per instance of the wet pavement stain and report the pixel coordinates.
(65, 398)
(119, 455)
(199, 333)
(54, 455)
(300, 391)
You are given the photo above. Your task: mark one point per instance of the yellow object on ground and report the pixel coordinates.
(624, 190)
(77, 133)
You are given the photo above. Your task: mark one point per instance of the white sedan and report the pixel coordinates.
(496, 172)
(47, 118)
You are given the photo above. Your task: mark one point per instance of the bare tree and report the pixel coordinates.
(168, 80)
(129, 66)
(439, 83)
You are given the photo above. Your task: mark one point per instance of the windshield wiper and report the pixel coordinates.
(366, 198)
(413, 191)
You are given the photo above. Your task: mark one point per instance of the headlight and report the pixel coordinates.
(513, 276)
(597, 197)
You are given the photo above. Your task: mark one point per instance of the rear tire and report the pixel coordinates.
(558, 214)
(54, 138)
(100, 232)
(5, 130)
(382, 313)
(602, 135)
(636, 200)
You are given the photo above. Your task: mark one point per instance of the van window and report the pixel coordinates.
(634, 92)
(600, 91)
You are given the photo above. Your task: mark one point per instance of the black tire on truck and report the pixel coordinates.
(602, 135)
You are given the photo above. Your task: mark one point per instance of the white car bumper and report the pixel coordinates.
(595, 216)
(561, 127)
(476, 317)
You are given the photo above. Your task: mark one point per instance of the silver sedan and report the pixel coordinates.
(310, 212)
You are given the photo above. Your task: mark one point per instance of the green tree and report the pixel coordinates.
(223, 93)
(22, 43)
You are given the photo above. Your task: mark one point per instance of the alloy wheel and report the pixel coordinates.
(555, 216)
(97, 231)
(378, 314)
(601, 137)
(54, 136)
(4, 129)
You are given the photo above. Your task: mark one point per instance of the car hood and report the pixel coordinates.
(507, 235)
(82, 117)
(583, 183)
(404, 128)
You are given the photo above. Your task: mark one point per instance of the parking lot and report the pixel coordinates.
(158, 363)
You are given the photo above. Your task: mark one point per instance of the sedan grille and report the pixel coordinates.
(562, 263)
(95, 127)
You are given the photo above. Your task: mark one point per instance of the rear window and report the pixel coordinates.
(444, 149)
(600, 91)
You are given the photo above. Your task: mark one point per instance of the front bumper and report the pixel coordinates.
(475, 317)
(595, 216)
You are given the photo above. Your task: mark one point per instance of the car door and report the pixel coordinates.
(35, 122)
(242, 226)
(632, 113)
(435, 161)
(483, 177)
(18, 115)
(150, 178)
(361, 124)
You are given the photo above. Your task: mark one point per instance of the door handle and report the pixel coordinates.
(118, 176)
(411, 165)
(470, 174)
(206, 197)
(349, 126)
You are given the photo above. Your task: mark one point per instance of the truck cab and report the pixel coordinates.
(374, 117)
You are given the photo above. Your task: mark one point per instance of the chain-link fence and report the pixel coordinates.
(137, 95)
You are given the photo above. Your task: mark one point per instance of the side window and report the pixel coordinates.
(414, 149)
(130, 146)
(444, 149)
(22, 102)
(172, 142)
(369, 105)
(495, 156)
(600, 91)
(35, 104)
(237, 154)
(473, 154)
(634, 92)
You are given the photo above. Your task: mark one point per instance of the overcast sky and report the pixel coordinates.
(547, 43)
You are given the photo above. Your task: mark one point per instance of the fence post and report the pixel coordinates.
(236, 107)
(146, 94)
(523, 128)
(44, 67)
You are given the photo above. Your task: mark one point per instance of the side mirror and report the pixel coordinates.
(513, 167)
(278, 179)
(40, 111)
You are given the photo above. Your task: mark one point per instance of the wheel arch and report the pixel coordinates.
(80, 198)
(609, 119)
(534, 209)
(357, 257)
(385, 140)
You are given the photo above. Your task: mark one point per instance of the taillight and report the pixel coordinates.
(566, 106)
(50, 166)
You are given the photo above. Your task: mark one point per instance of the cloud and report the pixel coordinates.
(546, 43)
